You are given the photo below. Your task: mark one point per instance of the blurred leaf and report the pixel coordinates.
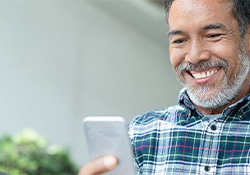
(29, 153)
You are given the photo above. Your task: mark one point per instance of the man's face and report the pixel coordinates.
(207, 52)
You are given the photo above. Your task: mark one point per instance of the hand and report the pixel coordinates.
(100, 165)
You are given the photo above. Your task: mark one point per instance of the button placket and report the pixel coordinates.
(209, 158)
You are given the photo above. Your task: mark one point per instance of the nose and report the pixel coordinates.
(197, 52)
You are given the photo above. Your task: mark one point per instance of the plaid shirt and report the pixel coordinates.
(181, 140)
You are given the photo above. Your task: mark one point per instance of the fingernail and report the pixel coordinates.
(110, 162)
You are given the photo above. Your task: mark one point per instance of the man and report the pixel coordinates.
(209, 131)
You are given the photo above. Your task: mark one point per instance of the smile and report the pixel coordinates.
(203, 74)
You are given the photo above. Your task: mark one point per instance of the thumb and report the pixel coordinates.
(100, 165)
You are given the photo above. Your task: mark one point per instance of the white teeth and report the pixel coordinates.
(204, 74)
(209, 74)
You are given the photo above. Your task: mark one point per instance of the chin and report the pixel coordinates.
(208, 97)
(206, 92)
(204, 95)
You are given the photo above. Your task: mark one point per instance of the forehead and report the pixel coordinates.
(190, 12)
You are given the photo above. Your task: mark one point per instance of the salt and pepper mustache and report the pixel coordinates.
(202, 65)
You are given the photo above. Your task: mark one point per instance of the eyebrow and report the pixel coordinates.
(174, 32)
(215, 26)
(207, 27)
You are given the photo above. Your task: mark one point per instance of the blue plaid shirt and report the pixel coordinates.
(181, 140)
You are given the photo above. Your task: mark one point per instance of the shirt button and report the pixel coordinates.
(207, 168)
(213, 127)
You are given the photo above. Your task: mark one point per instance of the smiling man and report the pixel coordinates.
(208, 132)
(209, 53)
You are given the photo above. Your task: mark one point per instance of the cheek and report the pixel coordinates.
(229, 53)
(176, 57)
(225, 51)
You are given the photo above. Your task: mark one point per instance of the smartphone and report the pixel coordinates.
(109, 136)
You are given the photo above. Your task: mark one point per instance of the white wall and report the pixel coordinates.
(63, 60)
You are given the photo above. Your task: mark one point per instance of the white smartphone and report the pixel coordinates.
(109, 136)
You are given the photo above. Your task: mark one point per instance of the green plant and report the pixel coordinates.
(29, 153)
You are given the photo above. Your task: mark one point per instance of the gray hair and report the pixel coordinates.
(241, 11)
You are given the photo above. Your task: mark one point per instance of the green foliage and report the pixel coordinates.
(29, 153)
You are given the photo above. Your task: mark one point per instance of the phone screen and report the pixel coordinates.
(108, 136)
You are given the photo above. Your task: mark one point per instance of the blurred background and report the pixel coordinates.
(61, 61)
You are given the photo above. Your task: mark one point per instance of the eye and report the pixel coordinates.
(214, 35)
(178, 41)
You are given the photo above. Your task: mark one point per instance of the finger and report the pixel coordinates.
(100, 165)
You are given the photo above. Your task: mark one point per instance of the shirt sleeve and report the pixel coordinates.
(131, 136)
